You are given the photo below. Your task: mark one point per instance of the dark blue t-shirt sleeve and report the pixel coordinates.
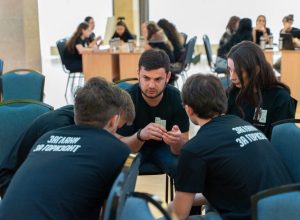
(191, 172)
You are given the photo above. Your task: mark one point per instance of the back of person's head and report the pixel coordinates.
(249, 60)
(96, 103)
(71, 42)
(127, 106)
(154, 59)
(205, 94)
(288, 18)
(245, 25)
(232, 23)
(88, 18)
(171, 32)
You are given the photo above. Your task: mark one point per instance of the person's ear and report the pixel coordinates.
(112, 124)
(138, 73)
(189, 110)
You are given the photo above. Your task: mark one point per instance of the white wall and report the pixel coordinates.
(198, 17)
(59, 19)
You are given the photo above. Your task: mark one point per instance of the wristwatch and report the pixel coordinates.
(138, 135)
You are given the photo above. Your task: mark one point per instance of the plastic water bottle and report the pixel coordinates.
(280, 43)
(262, 43)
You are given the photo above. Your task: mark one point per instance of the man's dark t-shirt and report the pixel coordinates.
(67, 175)
(228, 161)
(58, 118)
(277, 105)
(169, 109)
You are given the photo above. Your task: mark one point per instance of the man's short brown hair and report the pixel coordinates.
(97, 102)
(205, 94)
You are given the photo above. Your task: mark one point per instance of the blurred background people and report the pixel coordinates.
(261, 30)
(122, 31)
(175, 38)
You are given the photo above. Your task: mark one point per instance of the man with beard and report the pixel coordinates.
(161, 125)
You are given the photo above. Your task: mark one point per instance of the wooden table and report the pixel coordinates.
(290, 71)
(129, 64)
(99, 63)
(269, 56)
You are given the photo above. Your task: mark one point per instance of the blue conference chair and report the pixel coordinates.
(15, 117)
(286, 139)
(1, 71)
(61, 46)
(23, 84)
(137, 207)
(1, 66)
(122, 187)
(279, 203)
(209, 55)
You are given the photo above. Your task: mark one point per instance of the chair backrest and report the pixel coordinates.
(61, 46)
(190, 47)
(124, 83)
(23, 84)
(208, 50)
(1, 66)
(122, 187)
(286, 139)
(137, 207)
(15, 117)
(184, 35)
(278, 203)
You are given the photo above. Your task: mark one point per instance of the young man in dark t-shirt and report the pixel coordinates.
(227, 161)
(161, 125)
(69, 171)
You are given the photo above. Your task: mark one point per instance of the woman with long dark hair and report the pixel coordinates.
(156, 38)
(174, 37)
(244, 32)
(75, 46)
(261, 30)
(231, 28)
(122, 31)
(256, 94)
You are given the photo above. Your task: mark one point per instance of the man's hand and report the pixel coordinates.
(152, 131)
(173, 137)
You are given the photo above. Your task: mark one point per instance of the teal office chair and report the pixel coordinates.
(15, 117)
(279, 203)
(23, 84)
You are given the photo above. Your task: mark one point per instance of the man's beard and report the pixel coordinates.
(157, 95)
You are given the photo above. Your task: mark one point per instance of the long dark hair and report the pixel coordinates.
(122, 23)
(71, 42)
(232, 23)
(170, 30)
(248, 58)
(152, 29)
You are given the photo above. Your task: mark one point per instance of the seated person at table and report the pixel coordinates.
(161, 125)
(175, 38)
(287, 22)
(156, 38)
(58, 118)
(231, 28)
(77, 44)
(260, 30)
(69, 171)
(227, 161)
(92, 39)
(122, 31)
(256, 94)
(243, 33)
